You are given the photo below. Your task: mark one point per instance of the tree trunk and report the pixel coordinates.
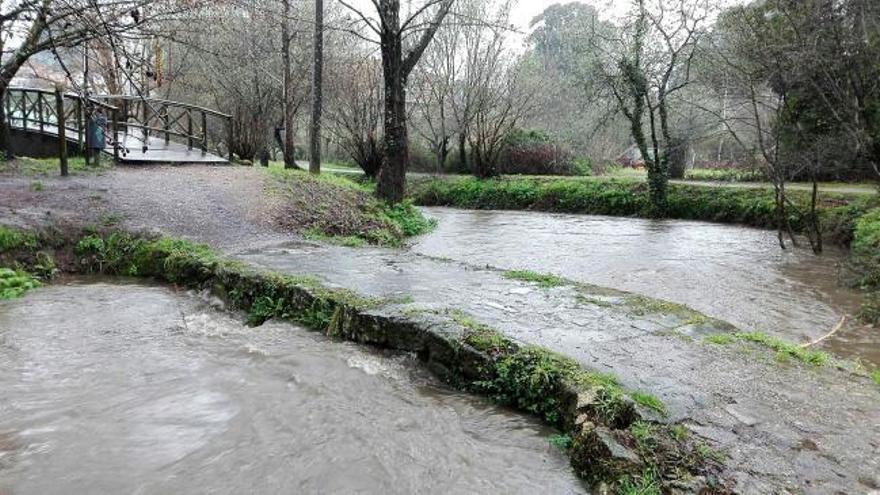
(317, 90)
(5, 139)
(462, 150)
(392, 176)
(287, 81)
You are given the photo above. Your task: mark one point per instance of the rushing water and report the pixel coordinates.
(734, 273)
(135, 389)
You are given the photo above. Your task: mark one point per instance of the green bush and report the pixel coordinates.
(866, 247)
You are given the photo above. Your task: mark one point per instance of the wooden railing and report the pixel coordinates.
(191, 125)
(37, 110)
(173, 120)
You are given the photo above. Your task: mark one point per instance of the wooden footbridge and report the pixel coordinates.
(135, 129)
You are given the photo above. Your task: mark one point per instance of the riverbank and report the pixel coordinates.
(780, 424)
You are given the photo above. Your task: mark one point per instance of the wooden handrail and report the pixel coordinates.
(73, 96)
(166, 102)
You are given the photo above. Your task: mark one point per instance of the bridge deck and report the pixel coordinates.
(133, 148)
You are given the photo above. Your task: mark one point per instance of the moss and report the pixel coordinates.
(14, 283)
(544, 280)
(875, 375)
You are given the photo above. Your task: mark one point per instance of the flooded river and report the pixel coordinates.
(734, 273)
(134, 389)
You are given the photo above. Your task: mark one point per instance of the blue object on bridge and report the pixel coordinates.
(97, 131)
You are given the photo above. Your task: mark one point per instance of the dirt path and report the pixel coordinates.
(785, 427)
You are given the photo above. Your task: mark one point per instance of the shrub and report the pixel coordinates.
(535, 153)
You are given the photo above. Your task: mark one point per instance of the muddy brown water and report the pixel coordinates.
(734, 273)
(125, 388)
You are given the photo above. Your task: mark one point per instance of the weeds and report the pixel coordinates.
(544, 280)
(784, 350)
(646, 483)
(561, 442)
(14, 283)
(649, 401)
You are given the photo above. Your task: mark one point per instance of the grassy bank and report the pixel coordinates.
(753, 207)
(337, 209)
(608, 432)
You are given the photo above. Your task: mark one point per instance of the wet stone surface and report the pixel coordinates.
(138, 389)
(730, 272)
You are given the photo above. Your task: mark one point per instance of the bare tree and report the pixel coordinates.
(642, 68)
(354, 109)
(317, 90)
(402, 42)
(287, 76)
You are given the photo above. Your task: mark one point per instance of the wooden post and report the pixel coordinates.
(24, 110)
(62, 135)
(189, 128)
(87, 118)
(166, 124)
(79, 124)
(146, 122)
(204, 132)
(115, 126)
(40, 113)
(230, 136)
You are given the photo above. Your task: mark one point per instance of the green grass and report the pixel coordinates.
(36, 167)
(14, 283)
(679, 432)
(544, 280)
(875, 375)
(784, 350)
(721, 339)
(649, 401)
(643, 484)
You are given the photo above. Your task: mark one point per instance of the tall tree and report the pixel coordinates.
(642, 68)
(287, 82)
(401, 43)
(317, 90)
